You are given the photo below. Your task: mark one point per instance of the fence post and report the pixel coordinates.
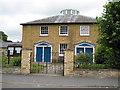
(8, 54)
(68, 62)
(25, 63)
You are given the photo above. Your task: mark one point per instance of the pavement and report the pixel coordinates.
(55, 81)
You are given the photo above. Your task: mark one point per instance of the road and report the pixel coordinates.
(45, 81)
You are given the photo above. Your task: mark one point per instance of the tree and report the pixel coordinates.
(3, 36)
(109, 33)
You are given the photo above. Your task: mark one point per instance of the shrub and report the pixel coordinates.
(92, 66)
(15, 61)
(100, 55)
(83, 58)
(4, 60)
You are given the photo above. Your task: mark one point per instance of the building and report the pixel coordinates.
(13, 47)
(57, 33)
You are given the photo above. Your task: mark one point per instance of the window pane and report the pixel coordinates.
(63, 30)
(62, 48)
(18, 49)
(84, 30)
(44, 30)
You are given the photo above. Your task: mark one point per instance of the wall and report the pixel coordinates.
(100, 73)
(31, 35)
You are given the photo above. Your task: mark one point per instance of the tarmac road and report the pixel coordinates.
(47, 81)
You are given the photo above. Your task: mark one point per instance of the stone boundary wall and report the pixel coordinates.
(101, 73)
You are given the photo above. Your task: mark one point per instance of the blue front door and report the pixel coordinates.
(43, 54)
(47, 54)
(39, 52)
(80, 50)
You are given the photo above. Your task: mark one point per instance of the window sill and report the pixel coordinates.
(85, 35)
(63, 35)
(44, 35)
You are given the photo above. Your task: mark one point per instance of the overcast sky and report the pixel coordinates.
(14, 12)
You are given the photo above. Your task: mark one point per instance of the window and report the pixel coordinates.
(11, 50)
(18, 49)
(84, 30)
(63, 31)
(62, 47)
(44, 31)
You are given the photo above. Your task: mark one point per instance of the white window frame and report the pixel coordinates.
(11, 50)
(60, 54)
(18, 49)
(44, 34)
(88, 32)
(60, 31)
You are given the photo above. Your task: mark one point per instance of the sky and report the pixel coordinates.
(15, 12)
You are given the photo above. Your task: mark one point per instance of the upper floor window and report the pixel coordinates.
(63, 31)
(84, 30)
(44, 31)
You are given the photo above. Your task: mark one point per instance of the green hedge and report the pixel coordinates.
(92, 66)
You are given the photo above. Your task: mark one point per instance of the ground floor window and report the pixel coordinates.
(62, 47)
(85, 47)
(11, 50)
(88, 50)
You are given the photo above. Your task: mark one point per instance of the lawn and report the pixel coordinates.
(36, 68)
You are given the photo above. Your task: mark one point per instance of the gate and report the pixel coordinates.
(47, 66)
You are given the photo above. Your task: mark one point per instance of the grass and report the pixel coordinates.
(36, 68)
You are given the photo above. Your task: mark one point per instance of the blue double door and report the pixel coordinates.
(43, 54)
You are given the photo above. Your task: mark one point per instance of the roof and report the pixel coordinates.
(63, 19)
(6, 44)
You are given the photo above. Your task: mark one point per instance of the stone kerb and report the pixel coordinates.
(68, 62)
(25, 63)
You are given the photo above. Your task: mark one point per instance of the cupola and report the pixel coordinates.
(69, 12)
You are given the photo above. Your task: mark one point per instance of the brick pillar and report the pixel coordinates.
(68, 62)
(25, 63)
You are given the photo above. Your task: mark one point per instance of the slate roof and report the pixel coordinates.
(63, 19)
(5, 44)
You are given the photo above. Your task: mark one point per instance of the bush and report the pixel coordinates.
(100, 55)
(4, 60)
(15, 61)
(109, 56)
(92, 66)
(83, 58)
